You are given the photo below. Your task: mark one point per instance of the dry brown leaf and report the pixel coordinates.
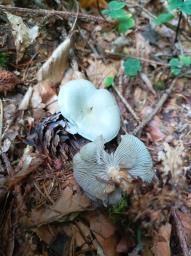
(68, 202)
(185, 219)
(122, 246)
(104, 232)
(172, 160)
(98, 71)
(162, 241)
(92, 3)
(72, 75)
(23, 35)
(154, 130)
(101, 225)
(44, 94)
(53, 69)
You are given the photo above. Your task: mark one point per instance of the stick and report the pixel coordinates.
(43, 12)
(158, 106)
(129, 108)
(180, 233)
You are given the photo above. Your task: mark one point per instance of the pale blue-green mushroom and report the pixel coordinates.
(91, 112)
(97, 171)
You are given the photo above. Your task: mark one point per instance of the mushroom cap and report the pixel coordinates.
(91, 112)
(90, 173)
(92, 166)
(133, 155)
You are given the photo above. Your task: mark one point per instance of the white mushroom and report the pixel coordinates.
(100, 173)
(91, 112)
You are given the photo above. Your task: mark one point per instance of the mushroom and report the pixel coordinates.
(100, 173)
(91, 112)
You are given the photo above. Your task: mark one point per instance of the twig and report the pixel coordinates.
(158, 106)
(178, 27)
(43, 12)
(180, 233)
(1, 120)
(111, 54)
(129, 108)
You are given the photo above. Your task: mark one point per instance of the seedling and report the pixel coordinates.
(132, 66)
(178, 64)
(116, 11)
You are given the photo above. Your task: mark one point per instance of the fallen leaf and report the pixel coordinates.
(23, 35)
(92, 4)
(69, 202)
(53, 69)
(185, 219)
(162, 241)
(98, 71)
(104, 232)
(172, 160)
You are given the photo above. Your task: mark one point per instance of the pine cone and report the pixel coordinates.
(8, 81)
(51, 138)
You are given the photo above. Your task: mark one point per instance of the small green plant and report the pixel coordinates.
(117, 12)
(109, 81)
(177, 65)
(178, 5)
(163, 18)
(132, 66)
(3, 60)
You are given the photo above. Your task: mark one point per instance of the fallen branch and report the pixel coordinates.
(157, 108)
(180, 233)
(129, 108)
(43, 12)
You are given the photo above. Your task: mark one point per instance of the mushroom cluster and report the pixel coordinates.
(99, 173)
(94, 114)
(91, 112)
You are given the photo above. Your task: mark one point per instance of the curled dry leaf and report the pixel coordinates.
(23, 35)
(50, 75)
(8, 81)
(53, 69)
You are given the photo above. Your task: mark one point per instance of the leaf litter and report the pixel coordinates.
(44, 212)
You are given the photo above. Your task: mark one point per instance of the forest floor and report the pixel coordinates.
(43, 211)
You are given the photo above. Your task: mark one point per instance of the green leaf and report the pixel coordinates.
(185, 60)
(115, 14)
(132, 66)
(163, 18)
(174, 4)
(109, 81)
(125, 25)
(116, 5)
(186, 7)
(176, 66)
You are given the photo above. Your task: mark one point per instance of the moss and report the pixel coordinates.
(3, 60)
(117, 211)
